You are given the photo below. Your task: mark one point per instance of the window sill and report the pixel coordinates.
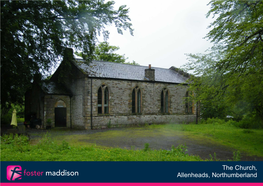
(136, 114)
(165, 113)
(103, 115)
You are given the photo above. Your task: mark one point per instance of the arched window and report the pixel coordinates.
(188, 103)
(103, 100)
(136, 100)
(164, 101)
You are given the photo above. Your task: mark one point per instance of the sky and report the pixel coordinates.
(164, 31)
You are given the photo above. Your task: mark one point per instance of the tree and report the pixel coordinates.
(232, 73)
(105, 52)
(35, 33)
(209, 85)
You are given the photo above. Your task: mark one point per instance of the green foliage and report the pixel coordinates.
(248, 122)
(236, 156)
(20, 120)
(230, 75)
(50, 146)
(109, 124)
(35, 34)
(131, 63)
(207, 84)
(48, 149)
(216, 121)
(219, 132)
(49, 122)
(146, 147)
(64, 145)
(213, 158)
(106, 52)
(17, 143)
(248, 131)
(180, 150)
(6, 119)
(6, 114)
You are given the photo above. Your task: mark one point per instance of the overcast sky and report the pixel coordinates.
(164, 31)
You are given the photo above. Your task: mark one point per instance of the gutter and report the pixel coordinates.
(148, 81)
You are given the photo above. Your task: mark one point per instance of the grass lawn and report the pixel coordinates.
(249, 141)
(49, 150)
(71, 148)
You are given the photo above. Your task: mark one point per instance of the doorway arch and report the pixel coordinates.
(60, 114)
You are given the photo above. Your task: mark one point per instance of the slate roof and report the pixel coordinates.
(54, 88)
(102, 69)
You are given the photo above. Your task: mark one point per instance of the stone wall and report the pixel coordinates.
(50, 105)
(120, 103)
(76, 84)
(136, 120)
(120, 96)
(77, 102)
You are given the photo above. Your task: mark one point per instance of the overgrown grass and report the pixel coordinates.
(215, 132)
(247, 141)
(82, 148)
(19, 149)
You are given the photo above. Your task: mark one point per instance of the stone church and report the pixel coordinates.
(105, 94)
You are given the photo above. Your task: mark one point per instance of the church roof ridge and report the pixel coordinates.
(103, 69)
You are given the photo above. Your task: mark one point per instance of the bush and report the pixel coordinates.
(6, 115)
(179, 150)
(213, 121)
(236, 156)
(232, 123)
(6, 119)
(247, 122)
(146, 147)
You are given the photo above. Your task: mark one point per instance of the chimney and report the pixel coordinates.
(150, 73)
(68, 54)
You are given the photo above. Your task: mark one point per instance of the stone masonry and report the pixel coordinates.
(120, 103)
(79, 93)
